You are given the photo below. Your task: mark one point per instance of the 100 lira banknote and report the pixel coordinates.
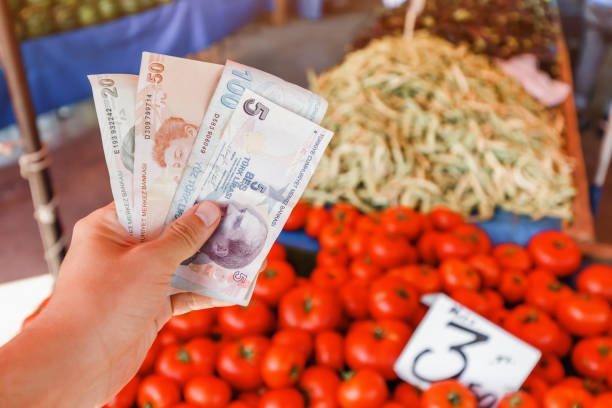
(235, 80)
(173, 94)
(114, 96)
(258, 171)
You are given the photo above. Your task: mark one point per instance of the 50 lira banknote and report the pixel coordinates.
(236, 78)
(260, 167)
(114, 96)
(173, 94)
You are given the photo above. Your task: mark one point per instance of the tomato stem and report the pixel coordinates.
(516, 401)
(295, 371)
(148, 405)
(558, 244)
(270, 273)
(246, 353)
(347, 375)
(454, 398)
(604, 350)
(307, 305)
(402, 293)
(183, 356)
(378, 333)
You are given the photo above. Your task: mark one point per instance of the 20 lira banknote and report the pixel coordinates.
(258, 171)
(236, 78)
(114, 96)
(173, 94)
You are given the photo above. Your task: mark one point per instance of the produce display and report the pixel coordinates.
(330, 339)
(427, 123)
(36, 18)
(497, 28)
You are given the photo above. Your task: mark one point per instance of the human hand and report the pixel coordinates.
(111, 299)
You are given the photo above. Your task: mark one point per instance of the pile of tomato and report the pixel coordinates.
(331, 339)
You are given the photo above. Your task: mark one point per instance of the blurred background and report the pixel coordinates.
(64, 40)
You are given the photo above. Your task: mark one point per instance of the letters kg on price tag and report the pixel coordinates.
(452, 342)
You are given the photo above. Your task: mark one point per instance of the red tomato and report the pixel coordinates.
(519, 399)
(389, 251)
(296, 338)
(407, 395)
(449, 394)
(282, 398)
(476, 235)
(316, 220)
(392, 404)
(186, 405)
(555, 251)
(357, 244)
(332, 257)
(344, 213)
(564, 345)
(334, 236)
(535, 386)
(363, 268)
(487, 268)
(402, 221)
(473, 300)
(566, 397)
(392, 297)
(208, 392)
(277, 252)
(550, 369)
(368, 222)
(450, 245)
(239, 362)
(494, 299)
(237, 321)
(533, 326)
(540, 276)
(424, 278)
(329, 349)
(282, 365)
(127, 396)
(546, 295)
(589, 385)
(156, 391)
(513, 285)
(418, 315)
(193, 324)
(329, 277)
(354, 297)
(592, 357)
(297, 217)
(182, 363)
(444, 219)
(320, 384)
(274, 281)
(251, 398)
(235, 404)
(310, 308)
(498, 316)
(376, 345)
(512, 256)
(458, 274)
(596, 280)
(426, 246)
(584, 315)
(365, 389)
(603, 400)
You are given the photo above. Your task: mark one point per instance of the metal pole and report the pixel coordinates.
(34, 161)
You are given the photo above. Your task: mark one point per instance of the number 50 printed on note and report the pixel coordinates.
(259, 170)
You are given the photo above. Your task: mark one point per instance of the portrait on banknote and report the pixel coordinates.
(240, 237)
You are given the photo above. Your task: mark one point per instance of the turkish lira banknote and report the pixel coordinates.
(235, 80)
(114, 96)
(259, 169)
(172, 97)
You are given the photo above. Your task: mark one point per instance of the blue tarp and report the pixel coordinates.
(57, 65)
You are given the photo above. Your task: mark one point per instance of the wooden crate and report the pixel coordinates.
(582, 228)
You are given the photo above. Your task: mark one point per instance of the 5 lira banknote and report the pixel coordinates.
(185, 131)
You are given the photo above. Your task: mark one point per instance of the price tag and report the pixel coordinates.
(452, 342)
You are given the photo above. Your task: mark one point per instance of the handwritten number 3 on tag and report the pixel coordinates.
(458, 348)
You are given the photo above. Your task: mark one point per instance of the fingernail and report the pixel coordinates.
(208, 212)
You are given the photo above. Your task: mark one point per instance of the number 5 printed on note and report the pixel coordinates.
(452, 342)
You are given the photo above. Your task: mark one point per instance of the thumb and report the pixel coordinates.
(187, 234)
